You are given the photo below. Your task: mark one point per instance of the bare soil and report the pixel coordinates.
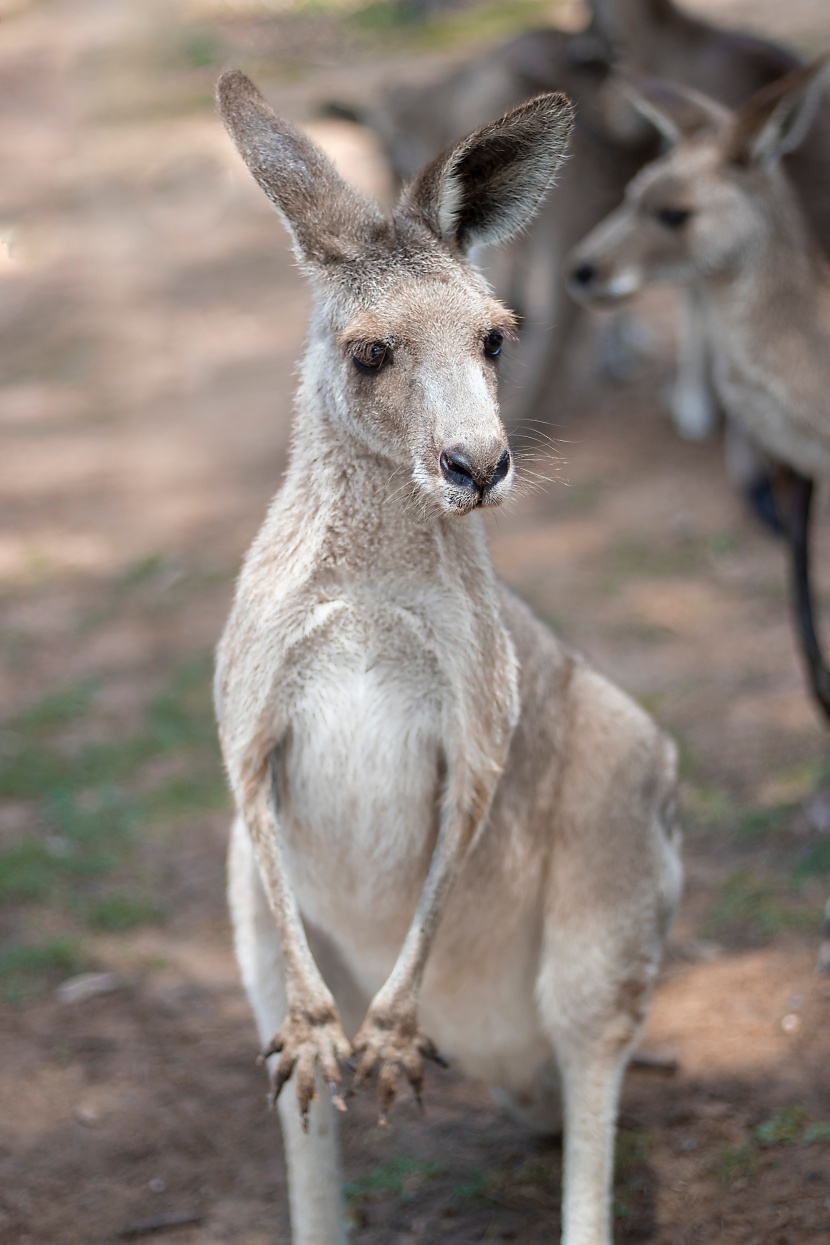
(151, 319)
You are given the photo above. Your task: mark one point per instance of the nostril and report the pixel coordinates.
(584, 273)
(456, 468)
(502, 468)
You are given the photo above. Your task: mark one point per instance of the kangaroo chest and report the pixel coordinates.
(375, 710)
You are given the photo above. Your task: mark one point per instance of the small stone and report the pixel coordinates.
(86, 986)
(791, 1023)
(157, 1185)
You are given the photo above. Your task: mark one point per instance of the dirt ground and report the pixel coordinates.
(151, 319)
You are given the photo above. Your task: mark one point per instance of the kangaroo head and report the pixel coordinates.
(405, 340)
(711, 204)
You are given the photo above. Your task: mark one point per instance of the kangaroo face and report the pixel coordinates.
(684, 218)
(404, 346)
(708, 208)
(415, 380)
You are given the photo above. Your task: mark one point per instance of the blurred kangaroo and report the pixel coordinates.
(656, 38)
(719, 211)
(611, 142)
(449, 813)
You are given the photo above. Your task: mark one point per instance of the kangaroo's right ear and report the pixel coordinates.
(328, 220)
(676, 112)
(486, 188)
(777, 118)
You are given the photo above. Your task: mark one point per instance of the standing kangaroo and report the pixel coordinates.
(719, 211)
(392, 717)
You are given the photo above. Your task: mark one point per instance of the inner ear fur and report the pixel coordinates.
(487, 187)
(328, 219)
(777, 118)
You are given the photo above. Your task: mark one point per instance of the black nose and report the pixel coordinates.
(584, 273)
(457, 469)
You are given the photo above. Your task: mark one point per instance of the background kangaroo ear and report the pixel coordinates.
(676, 112)
(778, 118)
(328, 220)
(488, 186)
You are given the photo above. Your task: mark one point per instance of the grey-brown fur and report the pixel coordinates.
(654, 38)
(468, 829)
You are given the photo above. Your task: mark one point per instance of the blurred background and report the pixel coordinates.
(151, 319)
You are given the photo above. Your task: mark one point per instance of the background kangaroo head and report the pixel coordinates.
(405, 333)
(709, 205)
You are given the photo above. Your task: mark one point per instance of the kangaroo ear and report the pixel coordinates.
(777, 119)
(328, 220)
(676, 112)
(487, 187)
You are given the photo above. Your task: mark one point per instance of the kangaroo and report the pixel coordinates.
(719, 211)
(392, 717)
(658, 39)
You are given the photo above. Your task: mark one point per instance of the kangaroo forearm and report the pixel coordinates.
(404, 982)
(303, 981)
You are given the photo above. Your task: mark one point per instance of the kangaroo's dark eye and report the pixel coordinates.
(672, 217)
(493, 343)
(371, 356)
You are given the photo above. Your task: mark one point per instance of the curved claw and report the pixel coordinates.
(392, 1050)
(306, 1044)
(430, 1051)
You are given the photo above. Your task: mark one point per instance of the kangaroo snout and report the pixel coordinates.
(583, 274)
(474, 473)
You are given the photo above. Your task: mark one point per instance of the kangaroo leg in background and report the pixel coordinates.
(798, 494)
(693, 405)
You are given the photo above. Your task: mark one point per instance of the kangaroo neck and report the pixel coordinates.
(775, 293)
(373, 520)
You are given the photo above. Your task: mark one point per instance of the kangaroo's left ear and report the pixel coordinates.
(778, 118)
(487, 187)
(676, 112)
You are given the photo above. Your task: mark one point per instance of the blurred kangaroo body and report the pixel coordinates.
(657, 38)
(392, 717)
(719, 212)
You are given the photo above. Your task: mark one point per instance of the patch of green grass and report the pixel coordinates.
(760, 823)
(723, 544)
(89, 802)
(28, 969)
(736, 1162)
(483, 23)
(635, 559)
(815, 862)
(400, 1177)
(122, 911)
(58, 709)
(201, 48)
(477, 1185)
(816, 1133)
(26, 871)
(751, 905)
(629, 1150)
(708, 805)
(786, 1128)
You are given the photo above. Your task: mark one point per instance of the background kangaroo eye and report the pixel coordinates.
(672, 218)
(370, 356)
(492, 344)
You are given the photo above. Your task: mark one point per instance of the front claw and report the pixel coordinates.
(306, 1041)
(390, 1046)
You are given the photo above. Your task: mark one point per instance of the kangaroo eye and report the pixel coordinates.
(671, 217)
(493, 343)
(371, 356)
